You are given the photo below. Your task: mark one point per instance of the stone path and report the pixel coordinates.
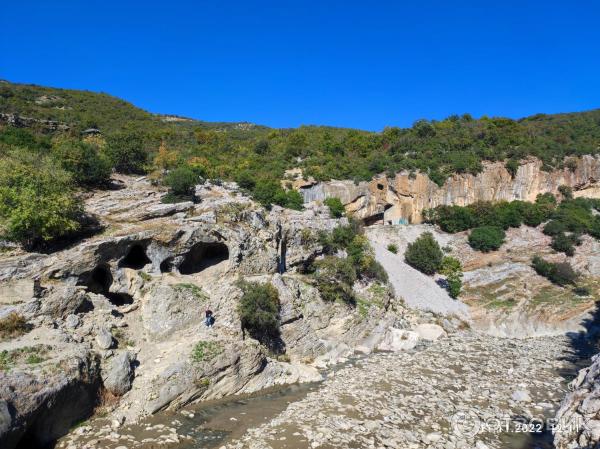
(458, 392)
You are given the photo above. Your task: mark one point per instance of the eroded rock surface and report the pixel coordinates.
(403, 198)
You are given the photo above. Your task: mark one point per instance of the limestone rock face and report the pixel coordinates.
(404, 198)
(52, 403)
(134, 297)
(169, 308)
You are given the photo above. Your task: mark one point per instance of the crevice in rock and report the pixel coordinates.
(203, 255)
(136, 258)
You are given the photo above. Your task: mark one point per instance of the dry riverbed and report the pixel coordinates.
(463, 391)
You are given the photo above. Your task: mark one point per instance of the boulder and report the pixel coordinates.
(118, 374)
(104, 338)
(60, 301)
(398, 340)
(429, 331)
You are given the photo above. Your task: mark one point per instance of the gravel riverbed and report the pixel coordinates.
(466, 391)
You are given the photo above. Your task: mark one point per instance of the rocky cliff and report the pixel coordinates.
(115, 322)
(403, 198)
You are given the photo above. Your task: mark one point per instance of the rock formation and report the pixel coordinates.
(117, 319)
(403, 199)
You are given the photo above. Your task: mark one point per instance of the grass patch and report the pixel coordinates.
(31, 355)
(12, 326)
(206, 350)
(145, 276)
(194, 290)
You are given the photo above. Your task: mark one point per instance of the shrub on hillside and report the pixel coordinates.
(88, 165)
(392, 248)
(269, 191)
(452, 269)
(559, 273)
(128, 152)
(37, 200)
(565, 243)
(424, 254)
(336, 208)
(181, 181)
(486, 238)
(259, 311)
(334, 277)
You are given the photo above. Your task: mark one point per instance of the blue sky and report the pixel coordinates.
(363, 64)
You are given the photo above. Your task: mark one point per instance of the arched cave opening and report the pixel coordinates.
(99, 282)
(203, 255)
(136, 258)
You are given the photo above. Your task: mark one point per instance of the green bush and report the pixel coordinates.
(424, 254)
(128, 151)
(181, 181)
(334, 277)
(452, 269)
(486, 238)
(559, 273)
(269, 191)
(336, 208)
(259, 311)
(85, 161)
(37, 200)
(392, 248)
(565, 243)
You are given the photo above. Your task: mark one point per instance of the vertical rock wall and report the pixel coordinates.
(404, 198)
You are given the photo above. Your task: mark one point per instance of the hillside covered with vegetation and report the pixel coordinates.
(131, 140)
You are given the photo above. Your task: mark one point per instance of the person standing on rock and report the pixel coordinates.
(210, 320)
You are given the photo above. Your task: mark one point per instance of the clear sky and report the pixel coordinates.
(364, 64)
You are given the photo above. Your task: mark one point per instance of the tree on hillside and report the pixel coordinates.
(38, 202)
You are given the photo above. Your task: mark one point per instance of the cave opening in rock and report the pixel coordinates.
(166, 266)
(99, 282)
(119, 299)
(373, 219)
(203, 255)
(136, 258)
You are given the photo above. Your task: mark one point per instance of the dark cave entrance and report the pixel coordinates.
(99, 282)
(373, 219)
(203, 255)
(166, 266)
(136, 258)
